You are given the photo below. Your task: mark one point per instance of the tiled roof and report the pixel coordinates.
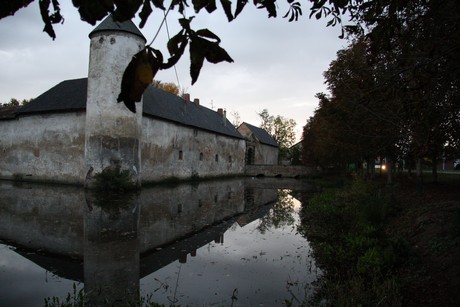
(167, 106)
(262, 135)
(70, 95)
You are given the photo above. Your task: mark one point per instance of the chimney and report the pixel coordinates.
(186, 97)
(220, 111)
(196, 101)
(225, 118)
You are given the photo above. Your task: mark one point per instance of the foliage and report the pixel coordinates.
(115, 179)
(280, 128)
(394, 92)
(167, 87)
(15, 103)
(280, 215)
(74, 299)
(345, 229)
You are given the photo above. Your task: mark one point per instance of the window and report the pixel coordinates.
(230, 159)
(217, 158)
(201, 156)
(181, 154)
(195, 132)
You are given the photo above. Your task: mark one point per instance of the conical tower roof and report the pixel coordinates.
(108, 24)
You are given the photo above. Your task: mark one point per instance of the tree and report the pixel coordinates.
(16, 103)
(236, 122)
(281, 129)
(167, 87)
(203, 44)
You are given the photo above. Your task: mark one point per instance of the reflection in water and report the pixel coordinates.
(227, 242)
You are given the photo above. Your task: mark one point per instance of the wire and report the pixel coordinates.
(169, 37)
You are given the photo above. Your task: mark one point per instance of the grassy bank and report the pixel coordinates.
(345, 227)
(386, 246)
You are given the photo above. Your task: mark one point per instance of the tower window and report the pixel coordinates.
(181, 154)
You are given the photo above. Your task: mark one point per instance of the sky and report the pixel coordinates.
(277, 65)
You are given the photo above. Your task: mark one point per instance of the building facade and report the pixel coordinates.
(261, 148)
(77, 128)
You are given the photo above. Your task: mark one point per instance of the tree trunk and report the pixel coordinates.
(419, 174)
(389, 172)
(434, 169)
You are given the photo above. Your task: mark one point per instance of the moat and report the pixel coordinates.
(214, 243)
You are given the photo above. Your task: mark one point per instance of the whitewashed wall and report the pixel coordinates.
(163, 141)
(47, 147)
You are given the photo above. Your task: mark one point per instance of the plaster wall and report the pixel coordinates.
(112, 131)
(265, 154)
(170, 150)
(46, 147)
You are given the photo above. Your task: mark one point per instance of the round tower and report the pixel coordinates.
(112, 133)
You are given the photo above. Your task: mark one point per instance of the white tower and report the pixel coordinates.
(112, 133)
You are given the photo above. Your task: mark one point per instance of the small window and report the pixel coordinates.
(195, 132)
(217, 158)
(181, 154)
(230, 159)
(201, 156)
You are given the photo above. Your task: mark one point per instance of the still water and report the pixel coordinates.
(219, 243)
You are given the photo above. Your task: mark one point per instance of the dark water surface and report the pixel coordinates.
(216, 243)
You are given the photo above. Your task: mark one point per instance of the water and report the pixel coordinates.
(220, 243)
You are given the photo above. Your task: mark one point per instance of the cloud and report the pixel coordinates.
(278, 65)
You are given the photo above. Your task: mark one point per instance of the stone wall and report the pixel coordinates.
(290, 171)
(48, 147)
(169, 150)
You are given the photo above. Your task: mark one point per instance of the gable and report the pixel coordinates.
(261, 135)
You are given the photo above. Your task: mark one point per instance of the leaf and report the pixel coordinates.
(211, 7)
(181, 3)
(48, 19)
(145, 13)
(196, 60)
(137, 76)
(176, 47)
(208, 34)
(227, 6)
(92, 11)
(240, 6)
(8, 8)
(159, 4)
(200, 49)
(199, 4)
(126, 10)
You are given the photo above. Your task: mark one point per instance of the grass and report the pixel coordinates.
(345, 228)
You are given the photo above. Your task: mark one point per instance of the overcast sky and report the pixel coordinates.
(278, 65)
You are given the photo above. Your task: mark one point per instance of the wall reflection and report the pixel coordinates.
(109, 242)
